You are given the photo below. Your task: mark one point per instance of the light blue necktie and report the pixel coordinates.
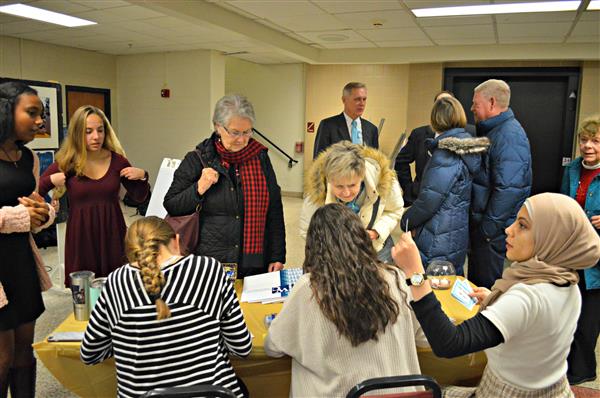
(356, 134)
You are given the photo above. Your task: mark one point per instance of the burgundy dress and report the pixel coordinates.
(95, 226)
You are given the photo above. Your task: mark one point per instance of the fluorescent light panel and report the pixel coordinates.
(546, 6)
(594, 5)
(39, 14)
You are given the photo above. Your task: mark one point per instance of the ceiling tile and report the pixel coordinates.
(364, 44)
(465, 41)
(531, 39)
(442, 3)
(24, 26)
(308, 23)
(317, 37)
(103, 4)
(233, 8)
(281, 8)
(65, 7)
(119, 14)
(455, 21)
(533, 29)
(583, 39)
(164, 22)
(404, 43)
(460, 32)
(590, 16)
(271, 25)
(365, 20)
(535, 17)
(337, 6)
(586, 28)
(298, 37)
(398, 34)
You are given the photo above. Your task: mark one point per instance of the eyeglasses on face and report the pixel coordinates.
(238, 134)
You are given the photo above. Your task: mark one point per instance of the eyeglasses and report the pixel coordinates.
(238, 134)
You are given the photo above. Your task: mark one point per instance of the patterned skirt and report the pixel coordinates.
(492, 387)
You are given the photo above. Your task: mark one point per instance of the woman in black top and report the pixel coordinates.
(230, 181)
(20, 213)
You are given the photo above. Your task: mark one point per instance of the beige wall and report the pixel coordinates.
(403, 94)
(152, 127)
(387, 97)
(277, 93)
(31, 60)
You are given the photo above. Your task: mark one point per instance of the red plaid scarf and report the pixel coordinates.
(254, 189)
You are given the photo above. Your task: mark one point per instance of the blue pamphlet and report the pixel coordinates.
(460, 291)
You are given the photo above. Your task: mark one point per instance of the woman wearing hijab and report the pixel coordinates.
(528, 319)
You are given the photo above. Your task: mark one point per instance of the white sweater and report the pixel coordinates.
(324, 364)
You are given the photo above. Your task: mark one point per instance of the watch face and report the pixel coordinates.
(417, 279)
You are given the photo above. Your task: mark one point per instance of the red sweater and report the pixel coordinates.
(585, 179)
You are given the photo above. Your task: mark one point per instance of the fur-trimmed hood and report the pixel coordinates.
(462, 144)
(378, 175)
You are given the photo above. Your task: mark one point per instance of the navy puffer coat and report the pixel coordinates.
(440, 215)
(505, 181)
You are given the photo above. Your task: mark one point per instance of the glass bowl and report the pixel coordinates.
(441, 274)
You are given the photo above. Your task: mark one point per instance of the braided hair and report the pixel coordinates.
(142, 246)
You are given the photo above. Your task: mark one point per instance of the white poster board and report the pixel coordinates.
(161, 186)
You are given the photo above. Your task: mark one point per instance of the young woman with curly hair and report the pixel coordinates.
(348, 317)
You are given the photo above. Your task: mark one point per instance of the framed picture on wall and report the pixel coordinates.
(51, 96)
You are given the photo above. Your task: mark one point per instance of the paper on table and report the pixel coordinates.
(65, 336)
(270, 287)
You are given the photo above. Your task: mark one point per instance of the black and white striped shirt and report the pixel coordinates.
(189, 348)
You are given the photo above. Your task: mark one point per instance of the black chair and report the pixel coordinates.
(203, 390)
(398, 381)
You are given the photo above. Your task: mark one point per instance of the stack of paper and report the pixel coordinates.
(271, 287)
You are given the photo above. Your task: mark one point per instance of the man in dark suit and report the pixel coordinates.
(348, 125)
(415, 150)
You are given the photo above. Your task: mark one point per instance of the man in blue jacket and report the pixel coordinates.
(501, 188)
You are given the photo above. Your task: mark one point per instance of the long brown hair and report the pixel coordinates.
(72, 154)
(142, 244)
(345, 276)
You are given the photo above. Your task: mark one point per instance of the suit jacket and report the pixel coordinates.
(415, 150)
(334, 129)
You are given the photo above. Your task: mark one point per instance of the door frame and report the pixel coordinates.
(83, 89)
(573, 75)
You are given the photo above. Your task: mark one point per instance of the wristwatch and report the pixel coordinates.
(417, 279)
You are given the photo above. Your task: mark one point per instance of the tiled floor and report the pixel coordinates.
(58, 302)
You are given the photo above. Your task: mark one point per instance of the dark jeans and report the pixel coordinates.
(486, 259)
(582, 358)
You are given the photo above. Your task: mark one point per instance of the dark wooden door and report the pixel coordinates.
(78, 96)
(544, 101)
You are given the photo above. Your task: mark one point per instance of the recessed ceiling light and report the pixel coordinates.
(594, 5)
(332, 37)
(513, 8)
(39, 14)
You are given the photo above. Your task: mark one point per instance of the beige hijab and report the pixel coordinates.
(564, 241)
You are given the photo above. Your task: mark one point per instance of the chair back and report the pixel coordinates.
(203, 390)
(380, 383)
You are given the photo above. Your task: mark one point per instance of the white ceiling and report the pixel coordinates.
(284, 31)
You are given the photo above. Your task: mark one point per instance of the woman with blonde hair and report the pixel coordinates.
(91, 166)
(347, 318)
(581, 181)
(439, 216)
(360, 178)
(168, 320)
(527, 321)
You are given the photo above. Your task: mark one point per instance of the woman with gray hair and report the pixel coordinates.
(230, 181)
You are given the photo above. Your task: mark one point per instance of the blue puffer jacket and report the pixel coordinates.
(570, 183)
(505, 181)
(440, 214)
